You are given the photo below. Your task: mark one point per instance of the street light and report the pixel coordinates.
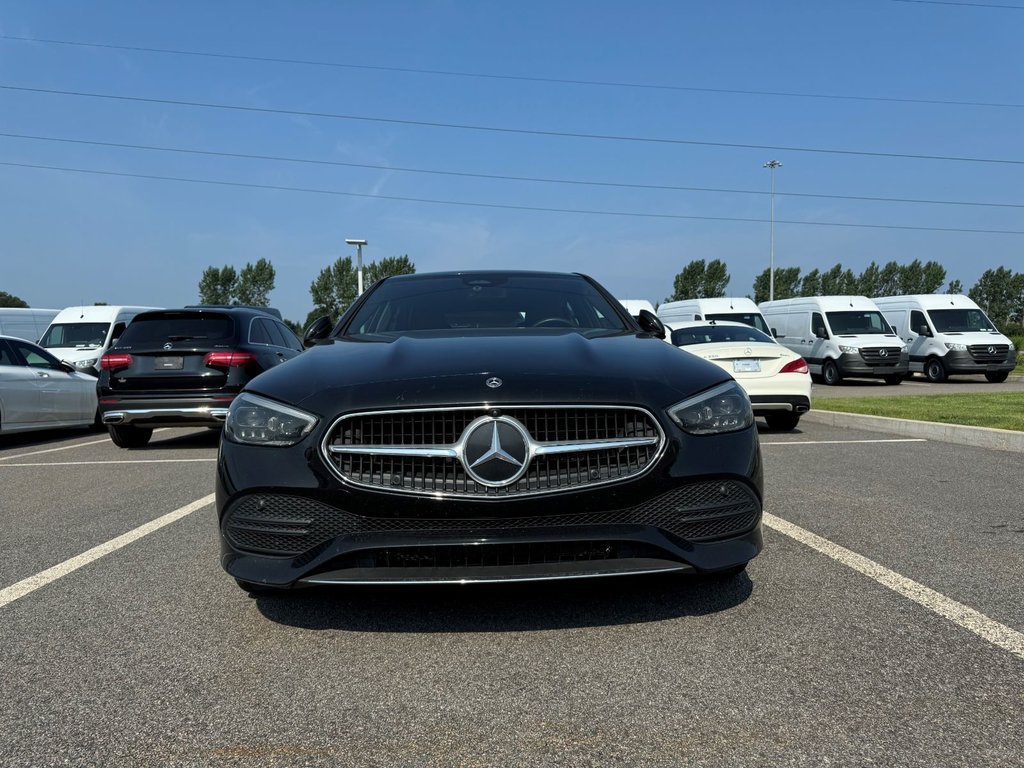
(772, 165)
(359, 251)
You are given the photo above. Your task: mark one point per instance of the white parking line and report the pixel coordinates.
(41, 579)
(126, 461)
(68, 447)
(843, 442)
(998, 634)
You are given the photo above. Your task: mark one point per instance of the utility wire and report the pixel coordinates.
(519, 78)
(970, 5)
(462, 203)
(503, 177)
(506, 130)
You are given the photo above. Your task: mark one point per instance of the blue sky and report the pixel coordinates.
(68, 237)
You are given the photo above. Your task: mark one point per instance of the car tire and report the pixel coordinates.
(935, 371)
(128, 436)
(830, 373)
(257, 590)
(896, 378)
(782, 421)
(997, 377)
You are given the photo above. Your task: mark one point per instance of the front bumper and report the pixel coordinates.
(961, 361)
(165, 412)
(763, 404)
(855, 366)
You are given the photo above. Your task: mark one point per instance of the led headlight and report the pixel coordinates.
(86, 364)
(956, 347)
(849, 350)
(255, 420)
(726, 408)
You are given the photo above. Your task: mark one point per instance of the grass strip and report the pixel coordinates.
(998, 411)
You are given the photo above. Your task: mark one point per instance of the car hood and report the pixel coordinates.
(449, 368)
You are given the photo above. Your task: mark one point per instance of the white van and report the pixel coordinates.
(25, 323)
(839, 336)
(949, 334)
(736, 310)
(633, 306)
(80, 335)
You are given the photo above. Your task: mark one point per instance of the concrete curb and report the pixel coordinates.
(980, 437)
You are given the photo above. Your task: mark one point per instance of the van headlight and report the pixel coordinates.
(255, 420)
(726, 408)
(953, 347)
(849, 350)
(85, 365)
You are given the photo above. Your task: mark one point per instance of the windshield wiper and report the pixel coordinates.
(185, 338)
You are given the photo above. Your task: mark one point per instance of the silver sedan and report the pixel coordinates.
(37, 391)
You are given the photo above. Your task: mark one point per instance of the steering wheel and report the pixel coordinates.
(552, 322)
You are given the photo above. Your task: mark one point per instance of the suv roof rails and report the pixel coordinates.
(268, 310)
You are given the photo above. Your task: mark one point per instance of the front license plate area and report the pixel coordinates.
(746, 366)
(172, 363)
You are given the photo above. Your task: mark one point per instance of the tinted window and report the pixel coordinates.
(258, 332)
(7, 355)
(916, 321)
(75, 335)
(491, 301)
(752, 319)
(291, 341)
(33, 356)
(817, 323)
(178, 326)
(709, 334)
(960, 320)
(858, 322)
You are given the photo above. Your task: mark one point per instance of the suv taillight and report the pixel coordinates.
(229, 359)
(113, 361)
(795, 366)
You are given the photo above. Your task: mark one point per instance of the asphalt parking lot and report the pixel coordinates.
(882, 625)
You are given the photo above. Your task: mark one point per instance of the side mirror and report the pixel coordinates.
(820, 332)
(775, 333)
(650, 323)
(318, 330)
(924, 330)
(68, 367)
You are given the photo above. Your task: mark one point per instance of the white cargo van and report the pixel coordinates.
(949, 334)
(25, 323)
(839, 336)
(80, 335)
(736, 310)
(633, 306)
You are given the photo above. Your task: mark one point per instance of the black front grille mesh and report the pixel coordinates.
(874, 356)
(980, 352)
(546, 474)
(290, 525)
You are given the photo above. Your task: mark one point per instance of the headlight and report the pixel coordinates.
(726, 408)
(86, 364)
(849, 350)
(956, 347)
(1013, 347)
(254, 420)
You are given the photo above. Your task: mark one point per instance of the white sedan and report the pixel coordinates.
(776, 379)
(37, 391)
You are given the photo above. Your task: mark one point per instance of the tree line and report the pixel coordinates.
(1000, 292)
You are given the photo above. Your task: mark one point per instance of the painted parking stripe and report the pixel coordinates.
(843, 442)
(989, 629)
(41, 579)
(68, 447)
(126, 461)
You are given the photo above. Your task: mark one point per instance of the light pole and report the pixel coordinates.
(359, 251)
(772, 165)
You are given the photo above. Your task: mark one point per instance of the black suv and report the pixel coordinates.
(183, 367)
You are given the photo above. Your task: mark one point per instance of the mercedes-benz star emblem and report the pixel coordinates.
(168, 345)
(883, 353)
(496, 451)
(991, 350)
(494, 382)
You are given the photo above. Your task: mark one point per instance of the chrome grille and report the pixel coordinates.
(438, 431)
(874, 356)
(980, 352)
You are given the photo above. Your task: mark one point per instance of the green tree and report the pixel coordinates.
(838, 282)
(1000, 292)
(889, 280)
(955, 286)
(933, 275)
(811, 284)
(868, 281)
(218, 286)
(334, 289)
(387, 267)
(255, 282)
(700, 280)
(10, 300)
(787, 284)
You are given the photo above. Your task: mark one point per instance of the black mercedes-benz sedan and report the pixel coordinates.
(487, 426)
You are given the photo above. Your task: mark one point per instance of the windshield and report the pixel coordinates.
(75, 335)
(863, 323)
(753, 319)
(709, 334)
(485, 301)
(960, 320)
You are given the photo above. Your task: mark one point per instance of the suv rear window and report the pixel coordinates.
(180, 326)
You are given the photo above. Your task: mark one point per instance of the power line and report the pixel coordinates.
(463, 203)
(519, 78)
(506, 130)
(970, 5)
(505, 177)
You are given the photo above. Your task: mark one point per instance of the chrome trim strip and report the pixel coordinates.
(136, 414)
(452, 451)
(682, 567)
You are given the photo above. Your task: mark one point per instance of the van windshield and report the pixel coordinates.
(960, 320)
(75, 335)
(753, 319)
(863, 323)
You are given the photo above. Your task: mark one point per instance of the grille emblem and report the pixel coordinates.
(496, 451)
(883, 353)
(991, 350)
(168, 345)
(494, 382)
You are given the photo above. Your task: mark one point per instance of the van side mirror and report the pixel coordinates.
(318, 330)
(924, 330)
(775, 333)
(820, 332)
(650, 323)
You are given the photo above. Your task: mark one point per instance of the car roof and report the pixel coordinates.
(486, 272)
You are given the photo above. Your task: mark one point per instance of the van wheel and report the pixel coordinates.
(785, 421)
(830, 373)
(129, 437)
(997, 377)
(896, 378)
(935, 371)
